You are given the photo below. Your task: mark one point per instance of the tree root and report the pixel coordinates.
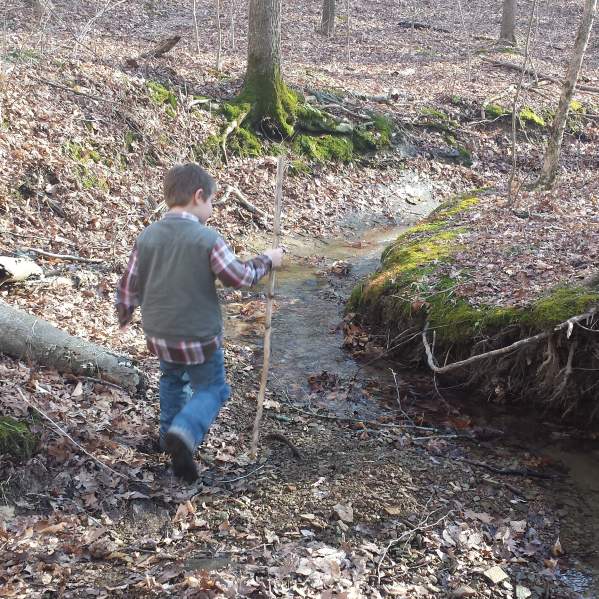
(232, 126)
(523, 371)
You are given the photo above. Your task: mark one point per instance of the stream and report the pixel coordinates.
(307, 342)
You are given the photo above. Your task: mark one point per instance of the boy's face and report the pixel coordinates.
(201, 206)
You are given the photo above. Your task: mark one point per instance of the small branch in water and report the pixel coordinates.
(508, 471)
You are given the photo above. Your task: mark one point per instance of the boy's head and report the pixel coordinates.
(190, 187)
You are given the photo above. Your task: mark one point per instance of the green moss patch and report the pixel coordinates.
(16, 439)
(528, 116)
(408, 288)
(496, 111)
(324, 148)
(243, 142)
(437, 119)
(163, 96)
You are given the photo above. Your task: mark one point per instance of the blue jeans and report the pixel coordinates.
(191, 396)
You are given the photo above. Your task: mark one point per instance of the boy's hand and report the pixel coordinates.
(276, 257)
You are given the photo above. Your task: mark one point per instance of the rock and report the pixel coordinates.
(345, 513)
(522, 592)
(495, 574)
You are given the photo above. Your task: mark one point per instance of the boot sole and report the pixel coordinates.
(181, 458)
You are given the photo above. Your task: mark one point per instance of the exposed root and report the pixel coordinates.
(232, 126)
(565, 374)
(549, 366)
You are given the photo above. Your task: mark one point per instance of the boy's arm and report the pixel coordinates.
(127, 298)
(232, 272)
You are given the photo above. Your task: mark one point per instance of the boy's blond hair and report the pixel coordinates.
(183, 180)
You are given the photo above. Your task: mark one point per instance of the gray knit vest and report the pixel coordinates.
(176, 284)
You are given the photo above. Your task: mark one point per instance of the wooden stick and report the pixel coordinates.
(242, 201)
(65, 256)
(268, 323)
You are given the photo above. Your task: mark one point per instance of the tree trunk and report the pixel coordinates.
(272, 103)
(328, 17)
(26, 337)
(556, 136)
(508, 19)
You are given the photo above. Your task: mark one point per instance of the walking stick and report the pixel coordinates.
(269, 299)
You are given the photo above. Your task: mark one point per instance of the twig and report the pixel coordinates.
(67, 257)
(405, 535)
(63, 432)
(242, 201)
(508, 471)
(269, 302)
(219, 60)
(232, 480)
(356, 420)
(283, 439)
(496, 352)
(348, 31)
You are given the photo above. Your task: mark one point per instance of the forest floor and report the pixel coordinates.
(397, 489)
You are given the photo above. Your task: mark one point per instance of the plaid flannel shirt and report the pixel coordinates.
(231, 271)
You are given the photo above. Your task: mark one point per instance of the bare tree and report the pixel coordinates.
(556, 136)
(195, 24)
(271, 102)
(508, 22)
(328, 17)
(219, 53)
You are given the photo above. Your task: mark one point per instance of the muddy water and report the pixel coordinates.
(307, 340)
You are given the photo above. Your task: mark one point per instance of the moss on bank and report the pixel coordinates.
(408, 290)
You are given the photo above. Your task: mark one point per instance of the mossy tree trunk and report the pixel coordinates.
(508, 22)
(556, 136)
(272, 103)
(328, 17)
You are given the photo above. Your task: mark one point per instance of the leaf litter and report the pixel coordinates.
(374, 510)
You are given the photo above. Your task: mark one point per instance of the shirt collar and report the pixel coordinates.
(185, 215)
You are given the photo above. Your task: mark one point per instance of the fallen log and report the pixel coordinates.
(26, 337)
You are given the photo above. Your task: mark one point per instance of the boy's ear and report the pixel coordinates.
(199, 195)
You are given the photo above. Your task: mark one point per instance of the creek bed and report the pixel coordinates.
(307, 342)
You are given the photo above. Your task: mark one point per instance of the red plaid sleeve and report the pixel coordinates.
(232, 272)
(127, 298)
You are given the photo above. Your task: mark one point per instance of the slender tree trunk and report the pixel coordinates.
(328, 17)
(272, 103)
(219, 52)
(508, 20)
(551, 160)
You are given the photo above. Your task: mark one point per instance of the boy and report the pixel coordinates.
(171, 275)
